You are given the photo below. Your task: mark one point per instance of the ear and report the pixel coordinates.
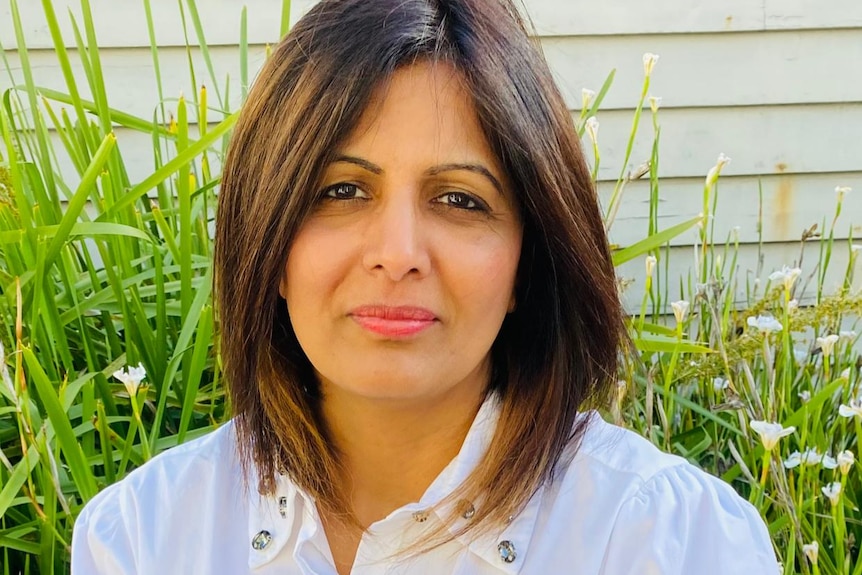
(282, 286)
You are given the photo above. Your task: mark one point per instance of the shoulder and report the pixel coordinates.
(657, 509)
(123, 526)
(191, 466)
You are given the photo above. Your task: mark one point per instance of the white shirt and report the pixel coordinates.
(620, 507)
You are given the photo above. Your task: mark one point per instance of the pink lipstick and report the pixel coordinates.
(393, 322)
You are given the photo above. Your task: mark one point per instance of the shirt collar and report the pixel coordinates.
(273, 519)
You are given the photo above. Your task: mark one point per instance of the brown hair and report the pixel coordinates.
(554, 355)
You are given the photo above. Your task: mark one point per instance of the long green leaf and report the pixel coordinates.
(81, 471)
(652, 242)
(171, 167)
(80, 198)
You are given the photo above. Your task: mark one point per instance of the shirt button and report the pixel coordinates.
(420, 516)
(507, 552)
(261, 540)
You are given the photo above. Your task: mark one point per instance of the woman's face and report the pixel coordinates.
(399, 281)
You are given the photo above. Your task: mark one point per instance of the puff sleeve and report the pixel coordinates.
(684, 521)
(101, 540)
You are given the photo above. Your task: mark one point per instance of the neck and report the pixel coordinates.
(392, 450)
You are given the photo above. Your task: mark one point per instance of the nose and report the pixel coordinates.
(395, 240)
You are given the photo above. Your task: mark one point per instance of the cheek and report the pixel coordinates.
(489, 275)
(315, 263)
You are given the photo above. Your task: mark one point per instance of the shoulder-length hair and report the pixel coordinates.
(554, 355)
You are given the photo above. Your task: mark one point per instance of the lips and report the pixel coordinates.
(393, 321)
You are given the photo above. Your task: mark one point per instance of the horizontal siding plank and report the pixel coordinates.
(713, 69)
(122, 23)
(789, 14)
(681, 267)
(791, 204)
(130, 76)
(760, 140)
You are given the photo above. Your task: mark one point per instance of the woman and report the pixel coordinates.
(418, 309)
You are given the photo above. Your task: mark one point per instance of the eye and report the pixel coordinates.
(344, 191)
(463, 201)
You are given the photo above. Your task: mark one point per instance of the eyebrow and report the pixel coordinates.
(432, 171)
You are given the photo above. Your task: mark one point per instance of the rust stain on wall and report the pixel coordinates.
(782, 204)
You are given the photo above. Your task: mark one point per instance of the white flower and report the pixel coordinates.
(649, 63)
(811, 550)
(794, 460)
(587, 97)
(654, 103)
(714, 172)
(786, 275)
(131, 378)
(804, 396)
(854, 409)
(800, 355)
(592, 125)
(720, 384)
(680, 308)
(793, 305)
(827, 344)
(808, 458)
(650, 265)
(846, 459)
(845, 374)
(841, 191)
(832, 491)
(770, 433)
(848, 334)
(855, 248)
(765, 323)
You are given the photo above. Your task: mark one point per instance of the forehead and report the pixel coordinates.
(422, 109)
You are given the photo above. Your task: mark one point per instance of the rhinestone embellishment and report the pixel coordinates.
(261, 540)
(507, 552)
(282, 506)
(420, 516)
(469, 510)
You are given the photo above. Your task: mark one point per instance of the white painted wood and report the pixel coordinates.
(122, 23)
(130, 75)
(794, 67)
(584, 17)
(760, 140)
(791, 204)
(787, 14)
